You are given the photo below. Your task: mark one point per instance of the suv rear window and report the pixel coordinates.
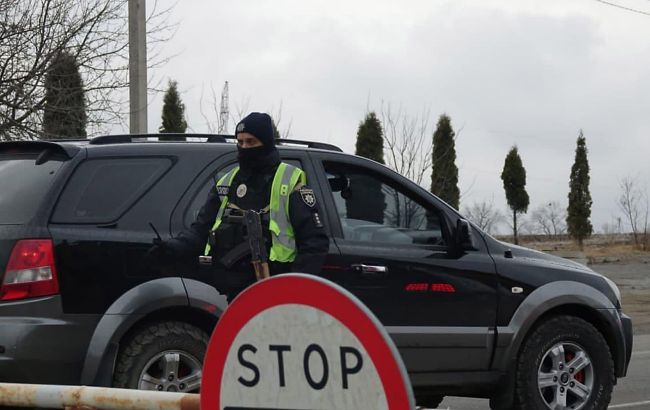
(102, 190)
(23, 185)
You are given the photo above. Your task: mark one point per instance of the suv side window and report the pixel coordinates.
(101, 190)
(199, 198)
(372, 208)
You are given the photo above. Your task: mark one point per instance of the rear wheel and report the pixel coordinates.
(564, 364)
(164, 356)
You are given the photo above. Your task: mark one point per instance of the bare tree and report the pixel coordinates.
(277, 121)
(524, 225)
(635, 205)
(241, 109)
(485, 215)
(210, 107)
(408, 146)
(34, 32)
(550, 219)
(407, 140)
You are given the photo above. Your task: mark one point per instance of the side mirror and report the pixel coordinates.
(464, 237)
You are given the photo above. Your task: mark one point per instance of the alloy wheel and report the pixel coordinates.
(565, 377)
(173, 371)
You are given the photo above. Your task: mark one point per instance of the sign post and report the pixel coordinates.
(299, 342)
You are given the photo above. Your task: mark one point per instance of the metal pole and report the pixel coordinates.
(75, 397)
(137, 67)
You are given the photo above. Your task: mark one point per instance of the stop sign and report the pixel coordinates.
(299, 342)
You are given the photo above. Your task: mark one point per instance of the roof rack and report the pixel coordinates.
(210, 138)
(127, 138)
(310, 144)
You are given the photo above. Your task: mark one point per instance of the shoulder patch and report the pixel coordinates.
(223, 190)
(308, 197)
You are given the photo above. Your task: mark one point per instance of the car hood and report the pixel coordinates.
(538, 257)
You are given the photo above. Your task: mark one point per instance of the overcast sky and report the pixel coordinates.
(530, 73)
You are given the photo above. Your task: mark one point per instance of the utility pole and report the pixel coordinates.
(137, 67)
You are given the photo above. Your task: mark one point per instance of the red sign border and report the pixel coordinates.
(322, 295)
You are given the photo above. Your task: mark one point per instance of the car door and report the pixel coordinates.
(398, 257)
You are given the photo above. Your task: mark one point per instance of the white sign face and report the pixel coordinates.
(299, 342)
(271, 365)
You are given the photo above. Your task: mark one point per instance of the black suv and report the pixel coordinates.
(470, 315)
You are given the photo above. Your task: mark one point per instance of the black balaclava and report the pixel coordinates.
(259, 158)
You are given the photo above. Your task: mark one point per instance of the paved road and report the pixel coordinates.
(632, 392)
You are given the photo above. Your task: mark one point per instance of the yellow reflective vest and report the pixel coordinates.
(283, 239)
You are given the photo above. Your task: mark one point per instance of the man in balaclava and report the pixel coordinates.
(295, 238)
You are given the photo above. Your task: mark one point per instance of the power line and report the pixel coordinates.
(624, 8)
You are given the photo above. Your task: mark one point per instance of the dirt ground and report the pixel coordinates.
(619, 260)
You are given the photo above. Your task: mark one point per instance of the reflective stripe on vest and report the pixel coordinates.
(283, 244)
(283, 247)
(230, 176)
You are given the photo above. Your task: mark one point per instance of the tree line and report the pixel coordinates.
(440, 159)
(46, 46)
(400, 141)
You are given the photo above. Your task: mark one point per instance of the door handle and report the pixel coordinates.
(370, 269)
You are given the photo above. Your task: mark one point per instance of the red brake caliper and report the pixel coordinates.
(580, 376)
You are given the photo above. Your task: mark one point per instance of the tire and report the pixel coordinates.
(564, 359)
(164, 356)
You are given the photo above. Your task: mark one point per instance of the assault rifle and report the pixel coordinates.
(259, 256)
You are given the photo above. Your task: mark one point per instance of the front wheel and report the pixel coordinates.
(564, 364)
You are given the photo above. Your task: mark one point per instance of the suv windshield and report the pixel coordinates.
(23, 185)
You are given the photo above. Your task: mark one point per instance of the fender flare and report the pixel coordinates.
(205, 297)
(132, 306)
(546, 298)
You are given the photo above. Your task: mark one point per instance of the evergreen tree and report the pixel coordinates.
(514, 183)
(370, 139)
(173, 111)
(579, 210)
(368, 202)
(444, 173)
(64, 113)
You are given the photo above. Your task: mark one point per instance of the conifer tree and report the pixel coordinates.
(514, 183)
(579, 209)
(368, 201)
(64, 113)
(173, 111)
(444, 174)
(370, 139)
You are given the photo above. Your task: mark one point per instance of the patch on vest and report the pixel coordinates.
(308, 197)
(241, 190)
(223, 190)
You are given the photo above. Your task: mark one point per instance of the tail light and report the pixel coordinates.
(30, 272)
